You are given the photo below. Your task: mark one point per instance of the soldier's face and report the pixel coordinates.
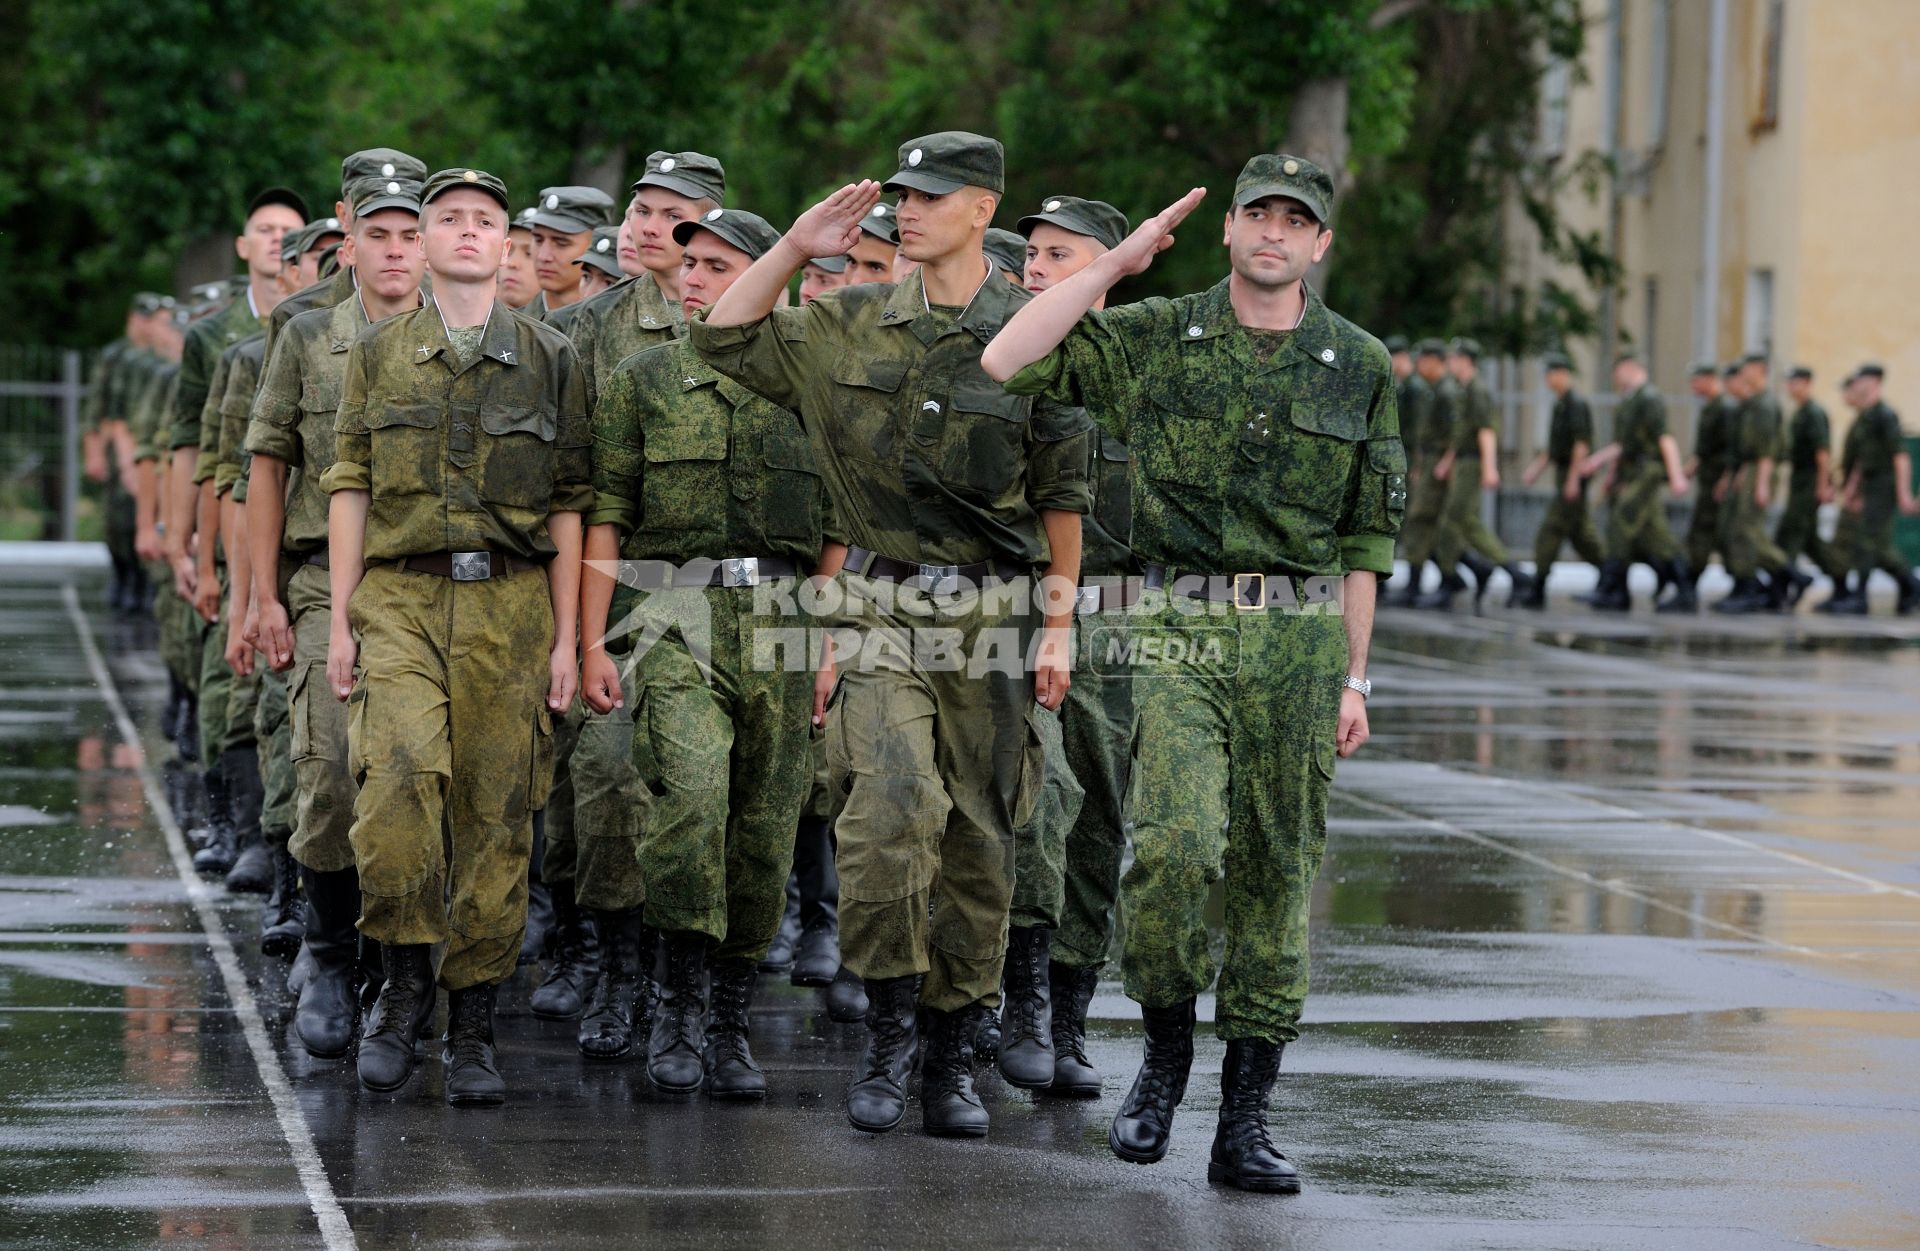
(1054, 254)
(593, 280)
(1402, 364)
(1461, 366)
(933, 226)
(517, 285)
(1627, 376)
(1431, 367)
(1559, 381)
(871, 260)
(1753, 379)
(814, 280)
(1867, 387)
(1798, 389)
(386, 252)
(259, 244)
(553, 257)
(628, 252)
(651, 217)
(1273, 242)
(708, 266)
(466, 235)
(1706, 386)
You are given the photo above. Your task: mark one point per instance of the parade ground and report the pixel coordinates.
(1617, 945)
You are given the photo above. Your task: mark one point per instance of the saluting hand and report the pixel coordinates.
(832, 227)
(1155, 235)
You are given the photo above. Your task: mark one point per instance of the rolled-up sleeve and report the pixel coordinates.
(352, 468)
(1378, 500)
(618, 455)
(768, 357)
(573, 444)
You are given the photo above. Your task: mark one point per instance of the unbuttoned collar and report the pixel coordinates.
(1311, 340)
(348, 320)
(500, 340)
(983, 316)
(650, 304)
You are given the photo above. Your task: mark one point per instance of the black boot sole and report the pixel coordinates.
(1136, 1157)
(948, 1131)
(870, 1127)
(736, 1096)
(1221, 1175)
(1019, 1084)
(399, 1085)
(475, 1101)
(1081, 1090)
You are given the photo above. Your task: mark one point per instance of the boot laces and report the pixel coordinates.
(398, 1001)
(1020, 1014)
(949, 1067)
(466, 1040)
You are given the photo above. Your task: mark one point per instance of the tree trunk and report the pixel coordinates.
(1317, 130)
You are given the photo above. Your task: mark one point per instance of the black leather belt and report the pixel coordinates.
(934, 579)
(469, 566)
(733, 571)
(1249, 592)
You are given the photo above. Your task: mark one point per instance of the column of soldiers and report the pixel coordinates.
(544, 549)
(1741, 441)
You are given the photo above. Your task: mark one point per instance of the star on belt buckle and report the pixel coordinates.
(1250, 592)
(939, 579)
(472, 566)
(740, 571)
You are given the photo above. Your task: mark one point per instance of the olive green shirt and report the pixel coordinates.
(207, 458)
(293, 414)
(1476, 412)
(1571, 423)
(326, 293)
(1713, 438)
(243, 383)
(690, 464)
(106, 390)
(1106, 532)
(1756, 430)
(926, 459)
(1872, 443)
(460, 458)
(1808, 435)
(1294, 465)
(625, 318)
(206, 340)
(1414, 398)
(1639, 424)
(146, 398)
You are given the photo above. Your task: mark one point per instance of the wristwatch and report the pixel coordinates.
(1362, 685)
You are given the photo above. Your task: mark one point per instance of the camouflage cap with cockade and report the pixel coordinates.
(1271, 174)
(949, 160)
(457, 178)
(749, 232)
(604, 252)
(379, 163)
(1096, 219)
(692, 174)
(573, 210)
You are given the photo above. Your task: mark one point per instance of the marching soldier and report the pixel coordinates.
(1879, 484)
(1810, 454)
(1748, 550)
(1471, 467)
(1428, 397)
(1644, 459)
(1707, 469)
(1569, 441)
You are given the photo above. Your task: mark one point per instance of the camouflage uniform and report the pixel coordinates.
(179, 637)
(1462, 529)
(1637, 516)
(1712, 447)
(692, 467)
(1744, 542)
(448, 729)
(1567, 521)
(1292, 467)
(107, 401)
(1872, 442)
(1426, 414)
(226, 699)
(926, 460)
(1808, 434)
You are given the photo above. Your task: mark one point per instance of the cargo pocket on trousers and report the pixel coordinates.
(892, 811)
(357, 732)
(540, 777)
(1033, 770)
(646, 761)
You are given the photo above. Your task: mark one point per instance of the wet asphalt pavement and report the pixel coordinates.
(1615, 946)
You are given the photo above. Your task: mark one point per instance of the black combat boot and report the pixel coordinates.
(949, 1105)
(1404, 595)
(847, 997)
(1073, 987)
(1525, 590)
(877, 1099)
(1243, 1155)
(1482, 570)
(399, 1018)
(1441, 596)
(1797, 584)
(473, 1078)
(1685, 597)
(1747, 597)
(1611, 594)
(1783, 587)
(816, 954)
(329, 1003)
(731, 1072)
(535, 938)
(1909, 593)
(1026, 1015)
(1143, 1127)
(576, 958)
(779, 957)
(252, 871)
(217, 853)
(283, 922)
(678, 1043)
(1849, 597)
(621, 997)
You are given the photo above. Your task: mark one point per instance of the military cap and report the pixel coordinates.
(277, 195)
(1755, 358)
(523, 220)
(692, 174)
(949, 160)
(604, 252)
(381, 163)
(1869, 369)
(1430, 347)
(299, 242)
(1292, 176)
(1095, 219)
(1732, 368)
(1702, 369)
(832, 264)
(750, 232)
(1469, 348)
(1557, 360)
(151, 302)
(329, 260)
(573, 210)
(880, 224)
(1801, 372)
(1394, 343)
(374, 194)
(1007, 250)
(1626, 356)
(454, 179)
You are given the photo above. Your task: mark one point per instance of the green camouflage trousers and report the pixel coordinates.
(226, 698)
(1744, 541)
(274, 732)
(324, 788)
(823, 802)
(1703, 532)
(1232, 781)
(609, 807)
(179, 628)
(1865, 538)
(1040, 845)
(1567, 521)
(720, 741)
(1097, 727)
(938, 755)
(1798, 533)
(451, 741)
(1463, 531)
(558, 855)
(1637, 527)
(120, 520)
(1426, 510)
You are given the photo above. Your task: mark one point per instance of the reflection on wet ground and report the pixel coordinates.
(1615, 947)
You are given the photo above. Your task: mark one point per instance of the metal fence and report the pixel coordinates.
(41, 389)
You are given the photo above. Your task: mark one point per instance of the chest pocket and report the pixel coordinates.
(1314, 471)
(982, 442)
(683, 482)
(516, 459)
(404, 440)
(1112, 486)
(1181, 442)
(792, 508)
(865, 398)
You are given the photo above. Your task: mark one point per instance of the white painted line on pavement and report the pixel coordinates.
(335, 1232)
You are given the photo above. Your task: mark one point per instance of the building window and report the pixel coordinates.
(1650, 322)
(1659, 72)
(1768, 115)
(1758, 329)
(1556, 85)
